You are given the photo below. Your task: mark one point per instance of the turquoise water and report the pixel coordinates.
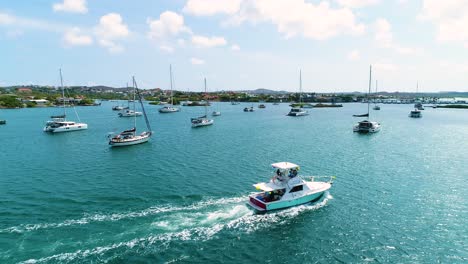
(400, 195)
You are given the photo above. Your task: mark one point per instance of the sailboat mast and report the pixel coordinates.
(134, 106)
(300, 86)
(370, 84)
(206, 112)
(376, 87)
(63, 93)
(170, 75)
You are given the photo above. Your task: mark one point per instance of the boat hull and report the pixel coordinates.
(168, 110)
(75, 127)
(203, 123)
(134, 141)
(259, 207)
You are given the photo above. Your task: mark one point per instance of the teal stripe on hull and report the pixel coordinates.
(302, 200)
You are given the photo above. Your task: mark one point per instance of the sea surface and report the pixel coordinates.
(400, 196)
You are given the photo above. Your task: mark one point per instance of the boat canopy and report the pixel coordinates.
(267, 186)
(284, 165)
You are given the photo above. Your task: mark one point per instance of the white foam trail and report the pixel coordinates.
(120, 216)
(238, 217)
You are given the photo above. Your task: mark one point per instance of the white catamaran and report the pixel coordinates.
(130, 137)
(170, 108)
(59, 123)
(202, 120)
(367, 126)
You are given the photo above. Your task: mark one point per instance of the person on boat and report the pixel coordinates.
(292, 173)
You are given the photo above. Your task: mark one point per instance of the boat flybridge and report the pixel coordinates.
(299, 111)
(286, 189)
(169, 108)
(367, 126)
(416, 113)
(59, 123)
(130, 137)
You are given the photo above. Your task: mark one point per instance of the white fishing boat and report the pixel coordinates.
(298, 111)
(367, 126)
(170, 108)
(59, 123)
(202, 120)
(286, 189)
(416, 113)
(130, 136)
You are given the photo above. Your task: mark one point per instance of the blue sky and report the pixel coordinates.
(237, 44)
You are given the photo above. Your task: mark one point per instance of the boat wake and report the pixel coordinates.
(159, 227)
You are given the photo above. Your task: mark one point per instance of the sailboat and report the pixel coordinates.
(376, 106)
(367, 126)
(59, 123)
(418, 105)
(216, 112)
(202, 120)
(127, 112)
(298, 111)
(130, 137)
(170, 108)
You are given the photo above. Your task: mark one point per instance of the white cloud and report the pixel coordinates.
(166, 48)
(208, 42)
(450, 18)
(212, 7)
(383, 33)
(299, 18)
(71, 6)
(110, 29)
(74, 37)
(384, 38)
(357, 3)
(169, 24)
(354, 55)
(383, 66)
(6, 19)
(16, 22)
(235, 47)
(197, 61)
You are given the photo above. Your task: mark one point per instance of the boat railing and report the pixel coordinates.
(312, 178)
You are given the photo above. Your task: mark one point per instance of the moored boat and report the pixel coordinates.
(58, 123)
(367, 126)
(416, 113)
(129, 137)
(286, 189)
(202, 120)
(297, 110)
(170, 108)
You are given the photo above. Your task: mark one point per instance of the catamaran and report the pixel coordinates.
(59, 123)
(170, 108)
(286, 189)
(130, 137)
(298, 111)
(367, 126)
(202, 120)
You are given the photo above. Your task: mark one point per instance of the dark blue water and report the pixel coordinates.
(401, 195)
